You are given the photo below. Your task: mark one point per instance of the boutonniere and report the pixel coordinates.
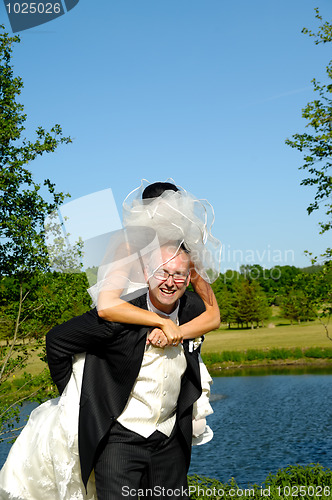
(197, 342)
(194, 344)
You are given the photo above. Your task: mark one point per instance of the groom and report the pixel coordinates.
(135, 423)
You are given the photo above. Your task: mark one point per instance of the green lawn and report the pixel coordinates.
(310, 334)
(34, 364)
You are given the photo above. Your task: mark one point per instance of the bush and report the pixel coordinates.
(255, 354)
(202, 488)
(318, 352)
(261, 355)
(298, 353)
(223, 356)
(310, 482)
(315, 480)
(232, 356)
(277, 353)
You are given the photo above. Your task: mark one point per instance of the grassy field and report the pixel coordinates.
(304, 335)
(34, 365)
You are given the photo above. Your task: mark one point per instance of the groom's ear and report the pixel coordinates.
(188, 279)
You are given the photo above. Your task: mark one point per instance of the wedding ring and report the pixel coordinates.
(158, 341)
(174, 343)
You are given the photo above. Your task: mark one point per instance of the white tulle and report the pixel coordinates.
(128, 252)
(178, 215)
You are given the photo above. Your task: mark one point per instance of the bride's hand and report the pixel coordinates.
(172, 332)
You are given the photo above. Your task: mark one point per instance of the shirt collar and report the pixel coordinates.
(173, 315)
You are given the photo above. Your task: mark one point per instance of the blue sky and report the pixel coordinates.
(203, 91)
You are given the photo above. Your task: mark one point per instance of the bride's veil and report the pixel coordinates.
(116, 259)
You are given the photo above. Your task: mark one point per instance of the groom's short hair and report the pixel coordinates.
(173, 248)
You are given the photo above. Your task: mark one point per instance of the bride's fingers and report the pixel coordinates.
(172, 332)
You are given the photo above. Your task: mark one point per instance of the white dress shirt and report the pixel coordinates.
(152, 402)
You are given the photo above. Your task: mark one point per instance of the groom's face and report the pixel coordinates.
(169, 278)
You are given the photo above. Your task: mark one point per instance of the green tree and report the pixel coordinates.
(225, 300)
(317, 143)
(52, 299)
(23, 209)
(317, 288)
(298, 306)
(317, 148)
(251, 303)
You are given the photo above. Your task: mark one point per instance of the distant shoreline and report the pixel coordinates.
(280, 363)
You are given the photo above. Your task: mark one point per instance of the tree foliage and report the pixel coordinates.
(241, 300)
(316, 144)
(29, 301)
(245, 297)
(49, 299)
(317, 148)
(297, 306)
(251, 303)
(23, 205)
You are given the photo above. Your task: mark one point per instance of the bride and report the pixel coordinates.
(44, 463)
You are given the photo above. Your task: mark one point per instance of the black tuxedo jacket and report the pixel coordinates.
(114, 357)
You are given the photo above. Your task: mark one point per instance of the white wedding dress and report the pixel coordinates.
(43, 463)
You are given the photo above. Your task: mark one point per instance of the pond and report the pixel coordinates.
(262, 423)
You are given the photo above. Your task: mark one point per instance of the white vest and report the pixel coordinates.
(152, 402)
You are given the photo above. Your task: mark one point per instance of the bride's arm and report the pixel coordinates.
(112, 308)
(210, 318)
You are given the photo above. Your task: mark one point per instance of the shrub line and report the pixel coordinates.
(307, 482)
(268, 356)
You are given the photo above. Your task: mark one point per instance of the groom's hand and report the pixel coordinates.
(157, 338)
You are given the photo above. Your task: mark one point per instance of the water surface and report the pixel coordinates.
(263, 423)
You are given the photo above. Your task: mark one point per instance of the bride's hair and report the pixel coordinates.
(157, 188)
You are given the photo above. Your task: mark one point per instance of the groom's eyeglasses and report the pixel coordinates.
(164, 275)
